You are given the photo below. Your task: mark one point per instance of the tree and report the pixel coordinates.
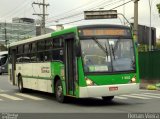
(158, 7)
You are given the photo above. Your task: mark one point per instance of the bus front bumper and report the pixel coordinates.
(108, 90)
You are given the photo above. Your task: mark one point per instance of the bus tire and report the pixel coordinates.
(20, 84)
(108, 98)
(1, 73)
(59, 92)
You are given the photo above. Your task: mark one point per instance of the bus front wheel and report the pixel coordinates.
(108, 98)
(20, 84)
(59, 92)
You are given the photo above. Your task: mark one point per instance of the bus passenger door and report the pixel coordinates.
(13, 66)
(70, 66)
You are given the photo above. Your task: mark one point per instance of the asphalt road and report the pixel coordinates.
(37, 102)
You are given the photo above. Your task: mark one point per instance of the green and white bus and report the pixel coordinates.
(81, 62)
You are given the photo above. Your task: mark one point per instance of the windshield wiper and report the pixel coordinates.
(113, 51)
(106, 50)
(103, 48)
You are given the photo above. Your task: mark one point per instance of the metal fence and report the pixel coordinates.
(149, 65)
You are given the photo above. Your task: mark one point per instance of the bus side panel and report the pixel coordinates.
(57, 69)
(81, 76)
(36, 76)
(42, 73)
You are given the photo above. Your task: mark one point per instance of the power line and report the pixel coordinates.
(80, 19)
(109, 9)
(15, 10)
(71, 10)
(102, 5)
(75, 9)
(44, 5)
(73, 21)
(121, 5)
(79, 12)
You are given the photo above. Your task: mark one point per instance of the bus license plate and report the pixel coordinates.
(113, 88)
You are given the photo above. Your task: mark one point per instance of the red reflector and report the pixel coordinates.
(113, 88)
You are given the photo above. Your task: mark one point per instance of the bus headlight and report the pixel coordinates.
(133, 80)
(89, 82)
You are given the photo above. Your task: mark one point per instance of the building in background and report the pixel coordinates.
(19, 29)
(143, 35)
(47, 30)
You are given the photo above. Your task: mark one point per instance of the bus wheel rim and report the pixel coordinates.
(59, 91)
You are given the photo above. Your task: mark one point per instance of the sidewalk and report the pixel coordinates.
(145, 83)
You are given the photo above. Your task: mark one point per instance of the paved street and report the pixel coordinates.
(37, 102)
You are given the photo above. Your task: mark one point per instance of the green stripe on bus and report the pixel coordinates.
(37, 77)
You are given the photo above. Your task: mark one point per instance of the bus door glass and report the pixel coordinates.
(70, 69)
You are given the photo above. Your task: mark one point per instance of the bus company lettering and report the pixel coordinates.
(45, 70)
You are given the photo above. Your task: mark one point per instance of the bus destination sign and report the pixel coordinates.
(105, 32)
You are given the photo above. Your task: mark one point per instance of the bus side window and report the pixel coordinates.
(49, 44)
(26, 56)
(48, 51)
(19, 54)
(33, 52)
(57, 53)
(48, 55)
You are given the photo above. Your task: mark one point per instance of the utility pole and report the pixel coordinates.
(136, 20)
(43, 15)
(124, 11)
(150, 30)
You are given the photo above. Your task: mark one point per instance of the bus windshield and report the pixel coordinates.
(108, 55)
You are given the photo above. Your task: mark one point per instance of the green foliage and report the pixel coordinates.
(158, 45)
(151, 87)
(158, 7)
(158, 85)
(142, 48)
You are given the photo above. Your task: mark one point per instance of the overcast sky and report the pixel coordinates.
(63, 8)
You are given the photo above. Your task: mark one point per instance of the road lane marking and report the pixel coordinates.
(3, 90)
(10, 97)
(152, 94)
(146, 95)
(29, 96)
(119, 97)
(133, 96)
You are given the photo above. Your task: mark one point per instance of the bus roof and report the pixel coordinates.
(30, 39)
(56, 33)
(103, 26)
(65, 31)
